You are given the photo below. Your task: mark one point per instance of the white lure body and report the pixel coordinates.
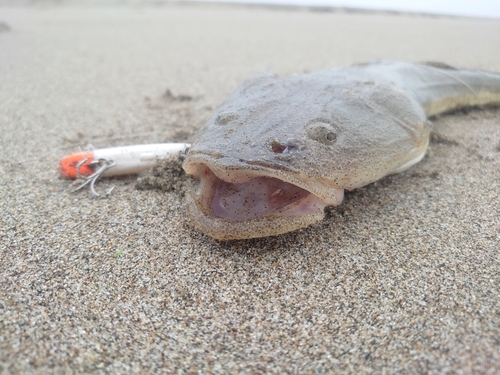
(120, 160)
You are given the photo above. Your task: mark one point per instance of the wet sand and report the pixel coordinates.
(403, 277)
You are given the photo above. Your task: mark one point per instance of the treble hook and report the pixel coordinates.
(105, 164)
(184, 152)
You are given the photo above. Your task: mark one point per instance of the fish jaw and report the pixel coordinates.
(229, 204)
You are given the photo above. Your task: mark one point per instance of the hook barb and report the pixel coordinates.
(104, 165)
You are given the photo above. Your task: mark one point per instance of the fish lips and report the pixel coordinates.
(238, 200)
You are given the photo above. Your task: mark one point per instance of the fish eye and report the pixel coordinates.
(322, 132)
(331, 136)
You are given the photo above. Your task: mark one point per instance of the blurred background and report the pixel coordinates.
(469, 8)
(474, 8)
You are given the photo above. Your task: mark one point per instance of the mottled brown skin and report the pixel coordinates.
(323, 132)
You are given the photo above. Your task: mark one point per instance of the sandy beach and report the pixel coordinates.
(403, 277)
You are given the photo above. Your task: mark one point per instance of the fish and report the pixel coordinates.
(278, 151)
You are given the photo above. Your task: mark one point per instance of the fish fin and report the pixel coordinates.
(441, 67)
(437, 64)
(440, 138)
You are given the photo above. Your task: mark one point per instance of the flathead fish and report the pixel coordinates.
(277, 151)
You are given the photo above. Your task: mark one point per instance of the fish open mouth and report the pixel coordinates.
(236, 204)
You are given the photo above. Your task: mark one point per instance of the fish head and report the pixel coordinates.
(278, 151)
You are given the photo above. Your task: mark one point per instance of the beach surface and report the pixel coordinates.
(403, 277)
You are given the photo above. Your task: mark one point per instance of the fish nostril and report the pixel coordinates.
(278, 148)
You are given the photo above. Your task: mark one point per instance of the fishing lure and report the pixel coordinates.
(90, 165)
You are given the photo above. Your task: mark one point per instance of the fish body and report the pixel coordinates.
(277, 151)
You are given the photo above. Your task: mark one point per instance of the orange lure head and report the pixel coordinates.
(72, 165)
